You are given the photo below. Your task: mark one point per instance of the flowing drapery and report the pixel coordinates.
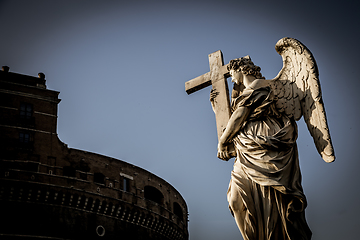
(265, 193)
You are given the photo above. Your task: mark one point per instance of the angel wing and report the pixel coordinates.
(297, 93)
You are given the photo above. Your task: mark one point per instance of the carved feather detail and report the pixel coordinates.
(297, 93)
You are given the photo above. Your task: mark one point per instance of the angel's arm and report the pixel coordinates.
(233, 127)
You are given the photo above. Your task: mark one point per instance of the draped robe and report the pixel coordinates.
(265, 193)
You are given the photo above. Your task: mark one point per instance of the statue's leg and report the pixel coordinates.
(237, 208)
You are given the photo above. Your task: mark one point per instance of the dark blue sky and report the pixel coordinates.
(120, 67)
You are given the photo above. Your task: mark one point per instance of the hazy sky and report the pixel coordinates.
(120, 68)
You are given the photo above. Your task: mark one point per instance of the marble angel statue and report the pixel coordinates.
(265, 193)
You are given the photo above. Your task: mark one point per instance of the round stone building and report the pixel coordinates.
(50, 191)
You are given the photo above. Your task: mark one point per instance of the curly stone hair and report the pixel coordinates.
(246, 66)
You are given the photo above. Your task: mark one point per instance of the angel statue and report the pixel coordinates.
(265, 194)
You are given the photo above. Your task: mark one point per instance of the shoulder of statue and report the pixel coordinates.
(259, 83)
(258, 90)
(256, 86)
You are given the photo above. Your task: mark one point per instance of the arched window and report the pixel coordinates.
(154, 195)
(96, 205)
(74, 201)
(178, 210)
(110, 209)
(89, 203)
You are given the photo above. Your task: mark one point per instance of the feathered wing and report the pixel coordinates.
(297, 93)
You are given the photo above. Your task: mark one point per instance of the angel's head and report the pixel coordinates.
(244, 66)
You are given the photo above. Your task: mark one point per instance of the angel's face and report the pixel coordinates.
(236, 76)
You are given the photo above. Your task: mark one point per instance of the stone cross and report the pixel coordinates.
(217, 77)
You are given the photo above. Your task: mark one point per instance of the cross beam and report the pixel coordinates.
(217, 67)
(217, 77)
